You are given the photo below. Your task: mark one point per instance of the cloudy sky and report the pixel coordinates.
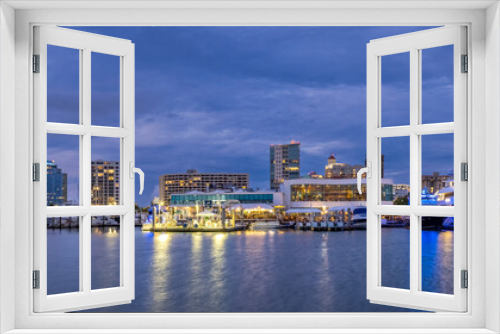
(215, 98)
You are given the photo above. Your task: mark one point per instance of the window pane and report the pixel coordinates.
(105, 90)
(63, 170)
(63, 85)
(105, 252)
(395, 251)
(437, 84)
(106, 171)
(395, 169)
(63, 255)
(437, 170)
(437, 254)
(395, 93)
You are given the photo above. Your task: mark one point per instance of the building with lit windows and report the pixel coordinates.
(435, 182)
(320, 193)
(242, 196)
(284, 163)
(202, 182)
(401, 190)
(105, 182)
(57, 185)
(337, 170)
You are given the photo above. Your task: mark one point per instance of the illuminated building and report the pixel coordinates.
(240, 195)
(56, 185)
(337, 170)
(65, 187)
(319, 193)
(433, 183)
(194, 181)
(400, 190)
(284, 163)
(105, 182)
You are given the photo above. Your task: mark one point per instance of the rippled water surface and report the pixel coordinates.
(251, 271)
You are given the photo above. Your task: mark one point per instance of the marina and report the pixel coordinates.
(203, 272)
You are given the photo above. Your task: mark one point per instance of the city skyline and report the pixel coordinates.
(200, 106)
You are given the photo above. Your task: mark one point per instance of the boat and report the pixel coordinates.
(448, 224)
(394, 221)
(359, 218)
(446, 195)
(104, 221)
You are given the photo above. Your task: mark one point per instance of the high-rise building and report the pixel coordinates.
(65, 187)
(284, 163)
(194, 181)
(56, 185)
(105, 182)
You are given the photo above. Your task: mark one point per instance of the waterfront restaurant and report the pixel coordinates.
(321, 193)
(240, 195)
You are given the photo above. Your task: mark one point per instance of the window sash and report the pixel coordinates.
(413, 43)
(86, 43)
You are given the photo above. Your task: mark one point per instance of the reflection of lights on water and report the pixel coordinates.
(162, 237)
(448, 235)
(220, 236)
(112, 232)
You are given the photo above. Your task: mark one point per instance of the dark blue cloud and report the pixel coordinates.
(215, 98)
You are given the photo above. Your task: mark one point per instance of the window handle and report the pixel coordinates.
(139, 171)
(362, 171)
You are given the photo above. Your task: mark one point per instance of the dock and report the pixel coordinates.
(326, 227)
(191, 228)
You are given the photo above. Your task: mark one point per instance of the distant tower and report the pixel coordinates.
(65, 187)
(54, 185)
(105, 182)
(332, 160)
(284, 163)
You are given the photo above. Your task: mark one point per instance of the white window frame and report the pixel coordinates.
(414, 43)
(483, 21)
(86, 44)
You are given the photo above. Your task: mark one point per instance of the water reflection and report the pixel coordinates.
(265, 271)
(63, 261)
(437, 259)
(218, 279)
(105, 261)
(159, 271)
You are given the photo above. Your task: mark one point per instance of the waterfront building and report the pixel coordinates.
(435, 182)
(325, 193)
(284, 163)
(105, 182)
(56, 185)
(400, 190)
(194, 181)
(220, 196)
